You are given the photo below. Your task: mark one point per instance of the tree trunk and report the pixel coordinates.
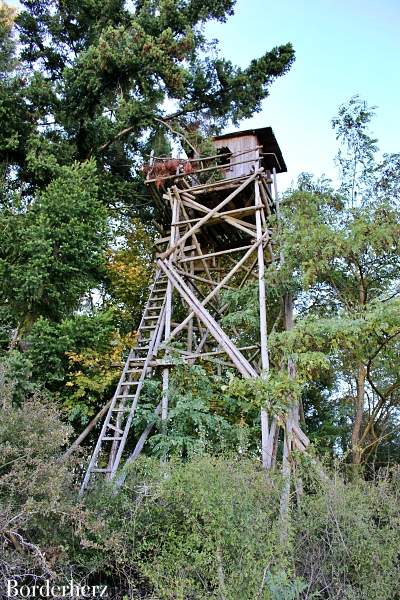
(358, 416)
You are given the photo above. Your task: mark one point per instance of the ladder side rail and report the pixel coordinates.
(106, 422)
(148, 306)
(155, 342)
(124, 387)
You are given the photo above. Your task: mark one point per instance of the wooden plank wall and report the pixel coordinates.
(238, 145)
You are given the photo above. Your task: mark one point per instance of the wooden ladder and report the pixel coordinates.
(138, 366)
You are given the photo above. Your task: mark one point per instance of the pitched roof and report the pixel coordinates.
(272, 153)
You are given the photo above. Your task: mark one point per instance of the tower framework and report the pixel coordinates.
(217, 213)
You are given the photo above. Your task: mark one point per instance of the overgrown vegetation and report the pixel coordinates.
(83, 91)
(204, 528)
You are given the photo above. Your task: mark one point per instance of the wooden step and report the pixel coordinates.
(117, 429)
(137, 366)
(98, 470)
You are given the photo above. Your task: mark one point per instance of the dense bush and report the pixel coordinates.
(205, 528)
(36, 501)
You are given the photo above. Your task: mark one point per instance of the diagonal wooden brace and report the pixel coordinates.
(207, 217)
(240, 362)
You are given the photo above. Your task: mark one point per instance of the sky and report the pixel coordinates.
(343, 48)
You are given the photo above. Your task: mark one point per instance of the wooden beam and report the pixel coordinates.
(86, 431)
(212, 254)
(212, 212)
(240, 362)
(236, 212)
(202, 279)
(215, 352)
(224, 216)
(224, 280)
(206, 188)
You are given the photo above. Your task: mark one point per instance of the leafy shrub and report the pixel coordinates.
(207, 528)
(36, 503)
(347, 542)
(200, 528)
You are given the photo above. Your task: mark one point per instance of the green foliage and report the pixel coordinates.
(52, 253)
(200, 420)
(36, 505)
(347, 544)
(207, 527)
(276, 393)
(345, 271)
(16, 376)
(203, 529)
(356, 156)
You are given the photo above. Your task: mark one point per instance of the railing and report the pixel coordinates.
(192, 167)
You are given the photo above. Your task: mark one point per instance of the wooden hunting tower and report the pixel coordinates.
(216, 214)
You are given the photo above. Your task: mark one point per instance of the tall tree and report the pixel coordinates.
(343, 247)
(98, 77)
(84, 92)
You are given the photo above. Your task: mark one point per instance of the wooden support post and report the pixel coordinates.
(285, 495)
(263, 325)
(261, 285)
(189, 344)
(168, 308)
(271, 445)
(274, 431)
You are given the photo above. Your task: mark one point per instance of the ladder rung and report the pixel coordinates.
(125, 396)
(97, 470)
(151, 318)
(128, 384)
(117, 429)
(148, 327)
(108, 438)
(126, 409)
